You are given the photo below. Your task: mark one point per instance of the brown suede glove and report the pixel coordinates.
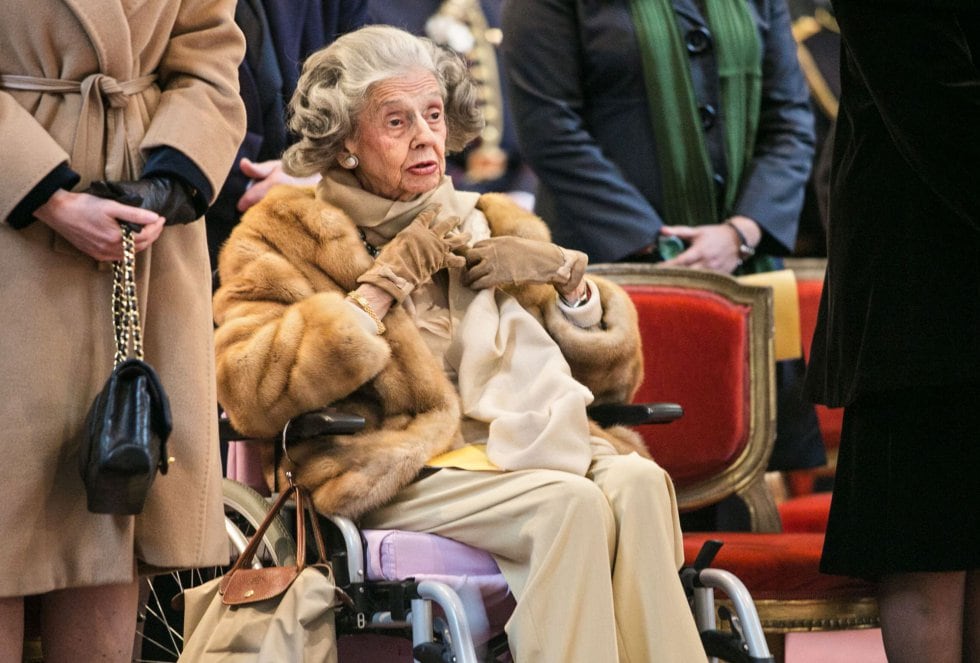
(416, 253)
(502, 260)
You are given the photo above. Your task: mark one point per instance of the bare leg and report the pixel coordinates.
(11, 628)
(90, 624)
(971, 617)
(922, 616)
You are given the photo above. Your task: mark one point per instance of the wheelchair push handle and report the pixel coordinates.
(327, 421)
(634, 414)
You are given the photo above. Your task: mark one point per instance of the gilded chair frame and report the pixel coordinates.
(745, 477)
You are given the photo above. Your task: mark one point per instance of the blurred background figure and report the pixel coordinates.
(818, 37)
(678, 133)
(472, 29)
(642, 121)
(279, 34)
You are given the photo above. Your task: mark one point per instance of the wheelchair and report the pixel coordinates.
(423, 606)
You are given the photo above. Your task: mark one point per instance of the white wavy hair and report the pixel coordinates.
(336, 82)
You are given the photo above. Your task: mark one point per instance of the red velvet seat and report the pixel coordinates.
(779, 566)
(806, 510)
(809, 282)
(781, 571)
(708, 346)
(805, 513)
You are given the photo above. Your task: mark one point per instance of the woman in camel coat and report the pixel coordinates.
(132, 90)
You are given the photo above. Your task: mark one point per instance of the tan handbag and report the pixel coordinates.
(267, 615)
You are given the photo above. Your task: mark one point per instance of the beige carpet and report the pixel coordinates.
(859, 646)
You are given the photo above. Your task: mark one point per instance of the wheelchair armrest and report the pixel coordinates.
(634, 414)
(327, 421)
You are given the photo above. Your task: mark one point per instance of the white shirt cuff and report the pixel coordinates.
(588, 314)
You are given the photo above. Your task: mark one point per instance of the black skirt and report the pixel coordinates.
(907, 489)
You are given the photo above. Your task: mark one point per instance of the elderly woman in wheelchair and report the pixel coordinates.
(469, 343)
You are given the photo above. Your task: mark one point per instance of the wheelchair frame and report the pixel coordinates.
(407, 605)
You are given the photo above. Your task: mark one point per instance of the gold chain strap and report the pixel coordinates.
(125, 312)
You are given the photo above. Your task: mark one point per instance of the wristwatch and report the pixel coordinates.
(745, 251)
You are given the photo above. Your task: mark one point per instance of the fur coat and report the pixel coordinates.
(288, 342)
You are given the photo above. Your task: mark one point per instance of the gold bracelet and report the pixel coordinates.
(365, 306)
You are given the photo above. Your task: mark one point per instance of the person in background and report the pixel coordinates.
(678, 133)
(818, 37)
(451, 323)
(897, 342)
(279, 34)
(142, 96)
(472, 29)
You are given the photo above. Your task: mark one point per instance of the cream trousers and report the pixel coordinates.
(592, 560)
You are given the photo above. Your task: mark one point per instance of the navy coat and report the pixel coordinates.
(295, 29)
(580, 102)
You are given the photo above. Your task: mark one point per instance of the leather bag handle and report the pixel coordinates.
(244, 585)
(303, 505)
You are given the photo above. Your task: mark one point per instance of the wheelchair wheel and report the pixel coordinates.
(725, 646)
(160, 626)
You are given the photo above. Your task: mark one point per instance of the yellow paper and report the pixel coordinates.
(786, 310)
(470, 457)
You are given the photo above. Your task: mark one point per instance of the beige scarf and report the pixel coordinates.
(517, 392)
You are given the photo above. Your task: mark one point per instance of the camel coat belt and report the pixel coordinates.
(86, 152)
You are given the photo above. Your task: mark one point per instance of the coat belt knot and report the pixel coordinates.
(96, 134)
(112, 91)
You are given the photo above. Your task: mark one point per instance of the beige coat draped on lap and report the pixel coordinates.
(287, 342)
(57, 331)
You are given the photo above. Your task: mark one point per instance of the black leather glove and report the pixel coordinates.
(167, 196)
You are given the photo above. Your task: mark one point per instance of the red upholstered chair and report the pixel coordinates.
(807, 508)
(708, 346)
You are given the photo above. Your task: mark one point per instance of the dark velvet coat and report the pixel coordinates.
(580, 102)
(901, 303)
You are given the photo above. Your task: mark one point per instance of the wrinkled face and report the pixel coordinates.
(401, 138)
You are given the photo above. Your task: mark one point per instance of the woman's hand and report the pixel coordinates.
(91, 224)
(416, 253)
(713, 246)
(264, 176)
(502, 260)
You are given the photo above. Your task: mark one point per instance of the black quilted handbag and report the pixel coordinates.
(129, 421)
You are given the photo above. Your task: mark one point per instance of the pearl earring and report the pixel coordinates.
(349, 162)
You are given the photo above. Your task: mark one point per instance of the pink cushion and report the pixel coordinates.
(398, 554)
(244, 465)
(473, 573)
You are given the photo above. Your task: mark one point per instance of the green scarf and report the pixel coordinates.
(688, 184)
